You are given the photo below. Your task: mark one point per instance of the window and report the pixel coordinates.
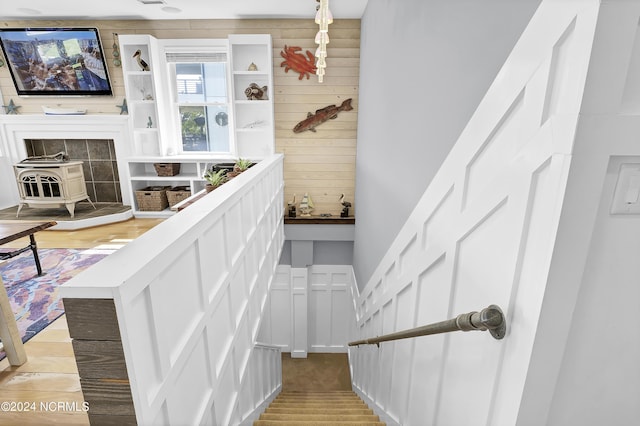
(202, 100)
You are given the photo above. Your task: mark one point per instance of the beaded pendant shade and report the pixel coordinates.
(323, 19)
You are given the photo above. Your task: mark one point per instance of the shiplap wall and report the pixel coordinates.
(320, 163)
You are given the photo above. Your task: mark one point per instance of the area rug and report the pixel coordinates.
(35, 300)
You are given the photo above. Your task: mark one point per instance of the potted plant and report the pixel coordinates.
(241, 165)
(215, 179)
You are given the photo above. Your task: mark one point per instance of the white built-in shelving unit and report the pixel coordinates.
(153, 128)
(142, 89)
(254, 125)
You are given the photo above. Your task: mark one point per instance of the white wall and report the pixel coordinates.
(592, 305)
(425, 66)
(501, 223)
(599, 379)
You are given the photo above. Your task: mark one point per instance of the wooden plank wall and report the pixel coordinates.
(97, 345)
(321, 163)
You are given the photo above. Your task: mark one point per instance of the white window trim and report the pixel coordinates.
(192, 48)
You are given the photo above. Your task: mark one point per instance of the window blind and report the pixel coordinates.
(185, 57)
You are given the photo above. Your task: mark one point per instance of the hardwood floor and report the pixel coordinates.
(90, 237)
(46, 389)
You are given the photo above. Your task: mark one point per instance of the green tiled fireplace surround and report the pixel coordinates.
(99, 163)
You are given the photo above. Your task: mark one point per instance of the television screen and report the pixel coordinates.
(55, 61)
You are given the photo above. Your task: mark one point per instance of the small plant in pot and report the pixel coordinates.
(242, 164)
(215, 179)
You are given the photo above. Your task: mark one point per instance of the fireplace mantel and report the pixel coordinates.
(15, 129)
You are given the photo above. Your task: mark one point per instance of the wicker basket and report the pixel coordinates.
(177, 194)
(167, 169)
(152, 198)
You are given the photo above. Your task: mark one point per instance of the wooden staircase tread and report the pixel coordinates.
(316, 401)
(318, 393)
(324, 417)
(314, 423)
(327, 397)
(322, 401)
(320, 410)
(321, 406)
(314, 408)
(335, 392)
(319, 401)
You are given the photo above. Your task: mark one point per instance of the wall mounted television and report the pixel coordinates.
(56, 61)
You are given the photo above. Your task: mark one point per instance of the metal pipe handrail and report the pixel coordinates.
(490, 318)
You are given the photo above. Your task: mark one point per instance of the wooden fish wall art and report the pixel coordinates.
(298, 62)
(327, 113)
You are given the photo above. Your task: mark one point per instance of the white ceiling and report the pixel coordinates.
(186, 9)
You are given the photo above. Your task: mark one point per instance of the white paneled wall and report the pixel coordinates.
(330, 313)
(483, 233)
(189, 295)
(311, 309)
(299, 317)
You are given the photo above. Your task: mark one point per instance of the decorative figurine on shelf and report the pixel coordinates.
(255, 92)
(149, 123)
(306, 206)
(141, 62)
(345, 207)
(145, 96)
(292, 206)
(11, 108)
(252, 67)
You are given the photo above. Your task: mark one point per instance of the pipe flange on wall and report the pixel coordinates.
(490, 318)
(494, 317)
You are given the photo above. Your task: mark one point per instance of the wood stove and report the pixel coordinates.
(50, 184)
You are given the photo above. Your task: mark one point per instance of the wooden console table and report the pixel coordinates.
(13, 231)
(320, 220)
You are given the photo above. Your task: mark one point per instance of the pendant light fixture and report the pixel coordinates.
(323, 19)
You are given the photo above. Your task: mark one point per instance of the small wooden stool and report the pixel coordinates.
(9, 333)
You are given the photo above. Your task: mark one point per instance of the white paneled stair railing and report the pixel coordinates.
(189, 296)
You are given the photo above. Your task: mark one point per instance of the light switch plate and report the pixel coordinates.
(626, 197)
